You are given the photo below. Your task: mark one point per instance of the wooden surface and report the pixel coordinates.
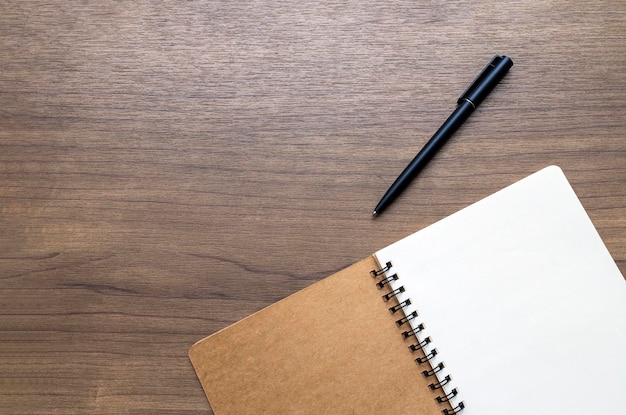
(167, 168)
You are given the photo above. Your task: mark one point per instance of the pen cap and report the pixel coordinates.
(486, 80)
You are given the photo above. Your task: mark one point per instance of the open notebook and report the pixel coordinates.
(512, 305)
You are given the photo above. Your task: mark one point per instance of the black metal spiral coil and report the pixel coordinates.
(428, 355)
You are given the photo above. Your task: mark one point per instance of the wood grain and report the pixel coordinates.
(167, 168)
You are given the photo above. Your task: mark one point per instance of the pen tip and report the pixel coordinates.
(375, 213)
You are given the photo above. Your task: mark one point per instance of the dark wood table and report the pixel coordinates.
(168, 168)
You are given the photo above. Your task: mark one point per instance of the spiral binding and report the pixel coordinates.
(420, 346)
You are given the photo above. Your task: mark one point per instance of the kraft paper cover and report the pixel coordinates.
(332, 348)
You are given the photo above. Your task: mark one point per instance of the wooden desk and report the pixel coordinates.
(169, 168)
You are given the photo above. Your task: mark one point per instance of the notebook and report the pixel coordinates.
(512, 305)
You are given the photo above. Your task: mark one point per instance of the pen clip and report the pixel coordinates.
(479, 79)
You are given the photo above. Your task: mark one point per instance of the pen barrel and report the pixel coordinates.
(447, 129)
(454, 121)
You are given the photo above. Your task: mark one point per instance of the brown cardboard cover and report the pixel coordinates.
(332, 348)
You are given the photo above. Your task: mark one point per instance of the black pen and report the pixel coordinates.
(467, 103)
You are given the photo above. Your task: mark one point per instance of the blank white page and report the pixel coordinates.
(522, 302)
